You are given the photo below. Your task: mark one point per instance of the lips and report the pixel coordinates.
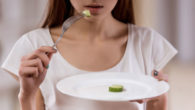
(94, 8)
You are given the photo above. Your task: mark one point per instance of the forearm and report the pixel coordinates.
(160, 103)
(27, 103)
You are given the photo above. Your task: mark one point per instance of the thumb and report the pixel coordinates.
(160, 76)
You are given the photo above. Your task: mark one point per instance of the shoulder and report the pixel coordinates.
(145, 34)
(38, 37)
(141, 30)
(36, 33)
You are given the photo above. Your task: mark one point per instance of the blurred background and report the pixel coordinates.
(174, 19)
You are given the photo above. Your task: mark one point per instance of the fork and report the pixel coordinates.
(67, 24)
(65, 27)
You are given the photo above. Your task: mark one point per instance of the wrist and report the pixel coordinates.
(23, 96)
(27, 101)
(158, 103)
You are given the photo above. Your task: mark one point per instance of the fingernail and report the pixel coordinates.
(47, 66)
(155, 73)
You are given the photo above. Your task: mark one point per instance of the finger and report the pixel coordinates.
(140, 101)
(43, 49)
(28, 72)
(33, 63)
(163, 77)
(47, 49)
(160, 76)
(42, 56)
(42, 76)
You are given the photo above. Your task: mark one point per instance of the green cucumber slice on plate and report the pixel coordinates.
(116, 88)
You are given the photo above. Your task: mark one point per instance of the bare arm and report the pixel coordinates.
(35, 102)
(156, 103)
(38, 102)
(32, 72)
(160, 102)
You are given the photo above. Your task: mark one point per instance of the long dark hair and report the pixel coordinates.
(60, 10)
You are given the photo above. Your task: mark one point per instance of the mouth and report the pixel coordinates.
(94, 8)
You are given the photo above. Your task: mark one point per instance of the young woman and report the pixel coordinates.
(106, 41)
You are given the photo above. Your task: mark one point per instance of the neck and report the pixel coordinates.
(93, 28)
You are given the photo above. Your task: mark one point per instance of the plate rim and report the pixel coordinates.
(111, 100)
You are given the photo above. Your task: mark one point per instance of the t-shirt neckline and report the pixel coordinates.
(86, 71)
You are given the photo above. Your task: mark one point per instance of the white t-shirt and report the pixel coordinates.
(146, 50)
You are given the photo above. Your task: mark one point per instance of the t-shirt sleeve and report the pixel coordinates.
(162, 51)
(22, 47)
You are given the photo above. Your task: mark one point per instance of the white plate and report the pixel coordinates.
(94, 86)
